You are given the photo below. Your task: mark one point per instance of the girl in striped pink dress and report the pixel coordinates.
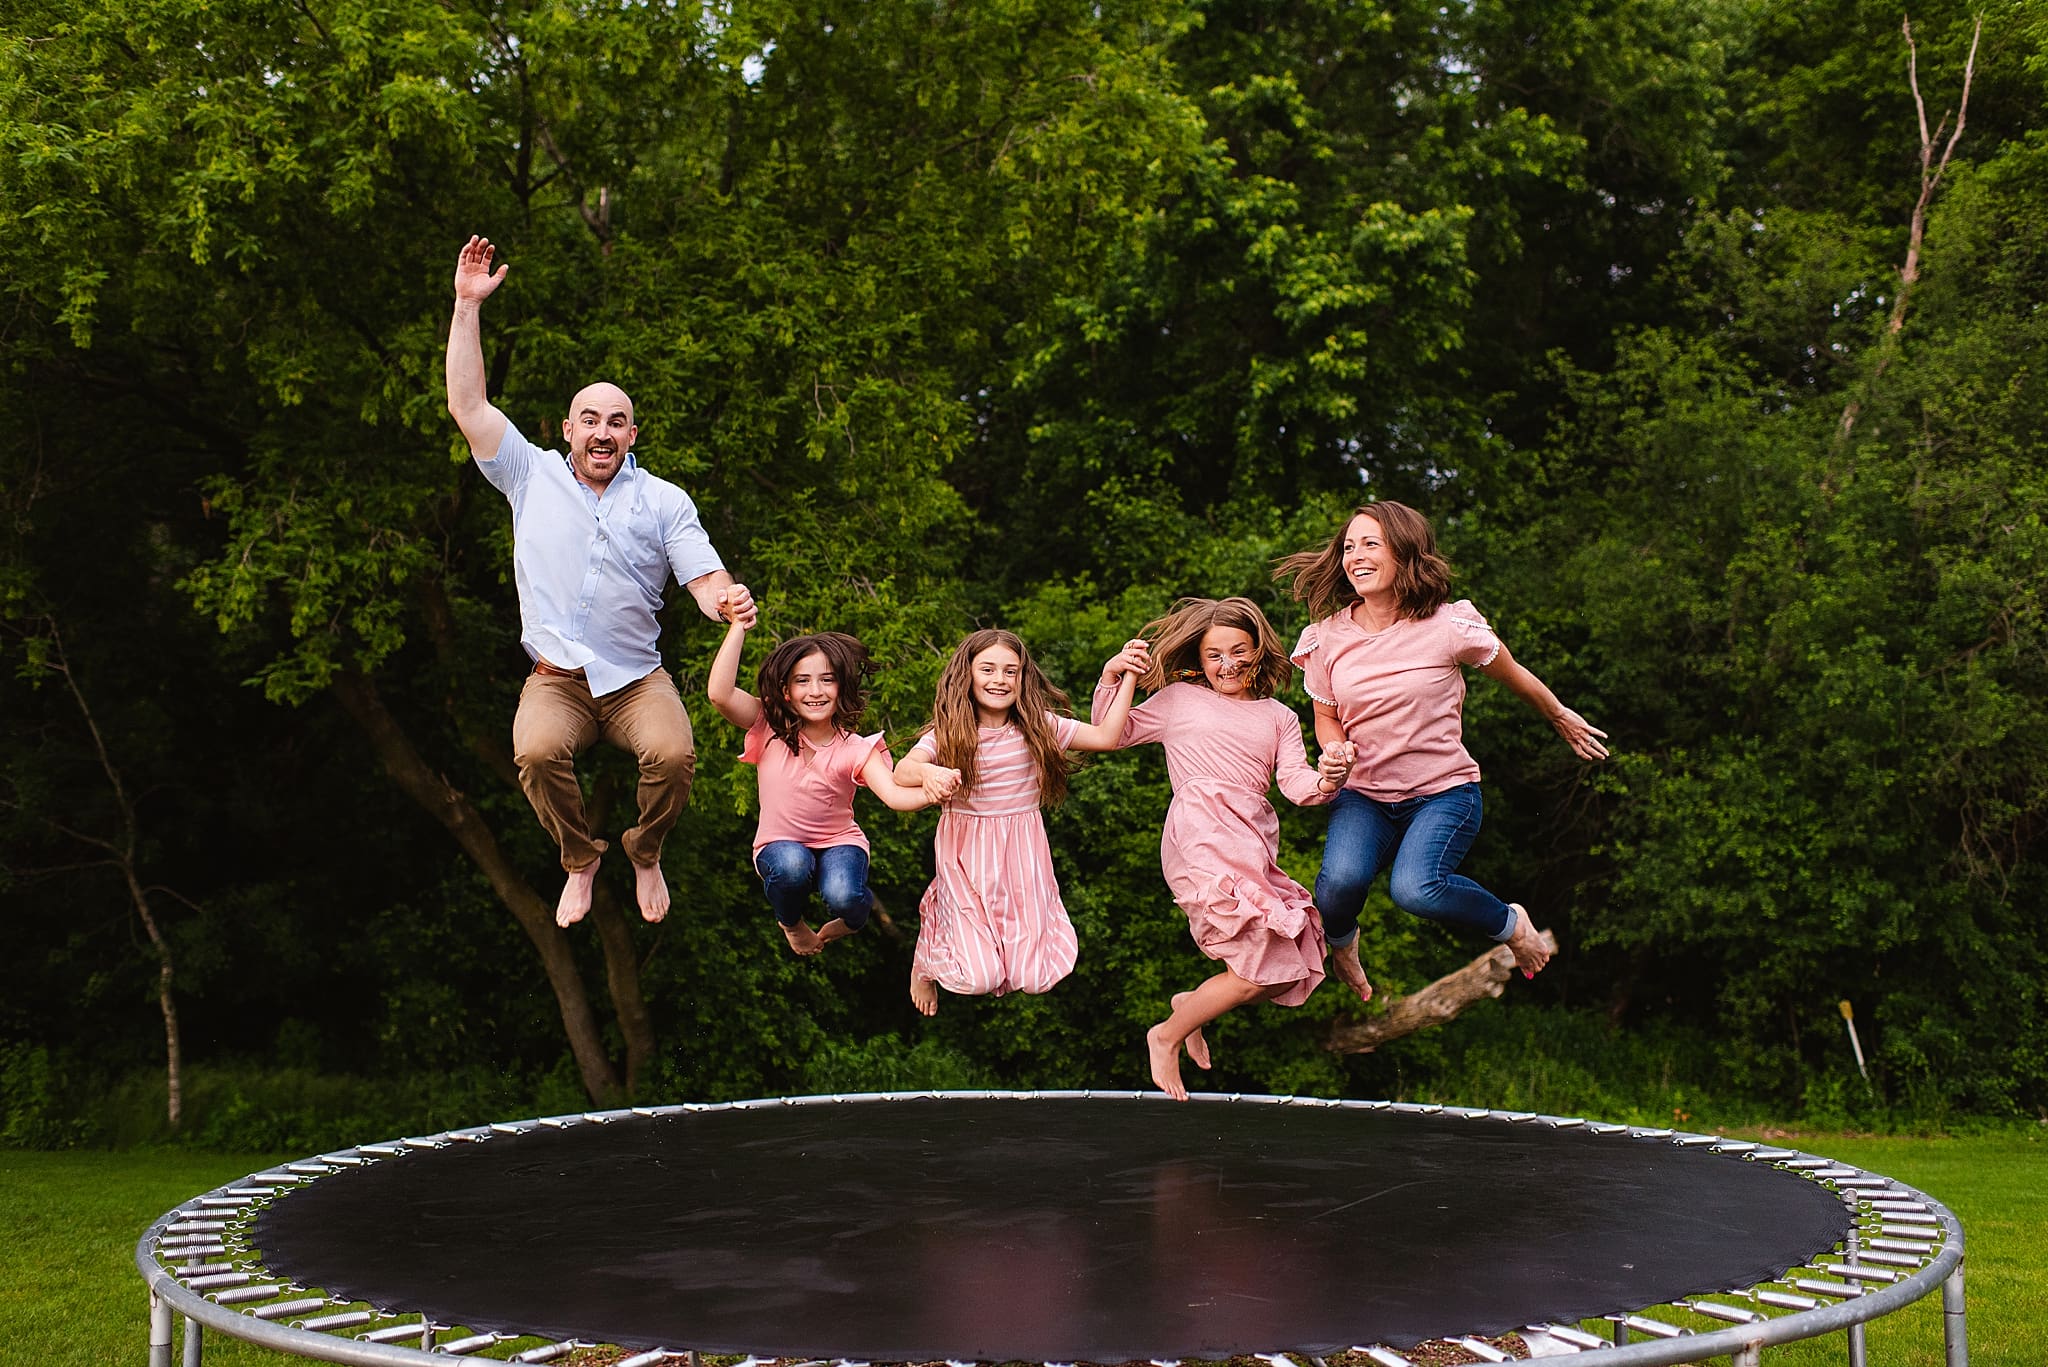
(992, 920)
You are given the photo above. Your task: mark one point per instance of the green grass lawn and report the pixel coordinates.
(69, 1292)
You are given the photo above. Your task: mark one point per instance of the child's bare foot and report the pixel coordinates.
(650, 889)
(574, 903)
(834, 929)
(1527, 943)
(1344, 958)
(924, 994)
(802, 939)
(1197, 1047)
(1165, 1060)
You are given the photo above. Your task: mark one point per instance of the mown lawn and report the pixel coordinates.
(70, 1295)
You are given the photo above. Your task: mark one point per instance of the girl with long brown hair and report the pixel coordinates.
(1383, 663)
(801, 737)
(1214, 668)
(995, 754)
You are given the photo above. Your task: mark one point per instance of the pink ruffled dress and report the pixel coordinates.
(1221, 835)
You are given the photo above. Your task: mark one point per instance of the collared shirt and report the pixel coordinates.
(591, 566)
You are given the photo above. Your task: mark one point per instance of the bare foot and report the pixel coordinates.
(574, 903)
(802, 939)
(834, 929)
(924, 993)
(1195, 1044)
(650, 889)
(1527, 943)
(1344, 958)
(1165, 1060)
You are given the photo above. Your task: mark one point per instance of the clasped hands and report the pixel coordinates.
(1333, 766)
(736, 604)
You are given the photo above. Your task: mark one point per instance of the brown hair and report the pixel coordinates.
(956, 727)
(1422, 577)
(850, 665)
(1177, 644)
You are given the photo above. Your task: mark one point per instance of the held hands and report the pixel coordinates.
(474, 279)
(736, 605)
(940, 783)
(1134, 658)
(1583, 737)
(1333, 766)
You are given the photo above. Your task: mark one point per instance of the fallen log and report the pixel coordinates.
(1436, 1004)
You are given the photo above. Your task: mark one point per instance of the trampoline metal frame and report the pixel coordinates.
(201, 1229)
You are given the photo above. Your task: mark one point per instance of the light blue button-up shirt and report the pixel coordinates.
(591, 567)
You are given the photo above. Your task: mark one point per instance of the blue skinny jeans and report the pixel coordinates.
(1423, 839)
(791, 871)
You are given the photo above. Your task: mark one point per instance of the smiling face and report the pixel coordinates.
(600, 431)
(812, 691)
(1230, 658)
(1368, 561)
(994, 676)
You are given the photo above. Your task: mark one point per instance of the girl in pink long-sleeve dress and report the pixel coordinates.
(995, 754)
(1226, 739)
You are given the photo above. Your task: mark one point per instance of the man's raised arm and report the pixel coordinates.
(481, 423)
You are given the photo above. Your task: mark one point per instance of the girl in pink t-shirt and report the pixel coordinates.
(995, 754)
(800, 735)
(1385, 670)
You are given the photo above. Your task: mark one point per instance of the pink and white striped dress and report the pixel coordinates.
(992, 920)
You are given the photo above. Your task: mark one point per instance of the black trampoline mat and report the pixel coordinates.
(1055, 1230)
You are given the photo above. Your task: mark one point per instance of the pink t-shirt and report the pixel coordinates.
(808, 798)
(1005, 773)
(1400, 695)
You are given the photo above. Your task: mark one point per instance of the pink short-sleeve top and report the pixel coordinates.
(1005, 773)
(1400, 695)
(808, 797)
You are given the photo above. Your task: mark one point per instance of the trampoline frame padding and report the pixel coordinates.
(201, 1260)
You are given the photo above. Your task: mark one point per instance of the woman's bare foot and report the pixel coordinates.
(1195, 1044)
(834, 929)
(1527, 943)
(1344, 958)
(574, 903)
(802, 939)
(924, 994)
(650, 890)
(1164, 1055)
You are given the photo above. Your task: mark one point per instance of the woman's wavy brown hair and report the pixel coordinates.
(956, 728)
(1177, 644)
(850, 666)
(1422, 577)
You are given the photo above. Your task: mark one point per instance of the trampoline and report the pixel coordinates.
(1052, 1227)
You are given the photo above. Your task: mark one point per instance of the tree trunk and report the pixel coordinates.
(448, 805)
(174, 1052)
(1436, 1004)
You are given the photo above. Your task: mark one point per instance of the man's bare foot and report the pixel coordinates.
(574, 903)
(802, 939)
(1527, 943)
(1195, 1044)
(650, 889)
(834, 929)
(924, 994)
(1165, 1060)
(1344, 958)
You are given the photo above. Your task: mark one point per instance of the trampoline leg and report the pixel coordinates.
(1954, 1331)
(195, 1342)
(159, 1331)
(1748, 1355)
(1856, 1347)
(1620, 1332)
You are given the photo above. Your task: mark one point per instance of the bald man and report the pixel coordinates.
(595, 540)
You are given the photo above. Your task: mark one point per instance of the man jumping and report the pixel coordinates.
(595, 539)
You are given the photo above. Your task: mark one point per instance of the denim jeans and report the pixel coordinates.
(791, 871)
(1424, 839)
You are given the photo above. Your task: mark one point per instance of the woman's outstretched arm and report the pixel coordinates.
(1583, 737)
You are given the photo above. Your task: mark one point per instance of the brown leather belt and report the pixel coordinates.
(543, 667)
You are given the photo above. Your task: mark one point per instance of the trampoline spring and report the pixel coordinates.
(186, 1274)
(1839, 1290)
(648, 1359)
(1654, 1328)
(216, 1279)
(464, 1347)
(267, 1292)
(1651, 1134)
(423, 1143)
(1598, 1128)
(1386, 1357)
(1738, 1146)
(286, 1309)
(1898, 1203)
(228, 1203)
(1884, 1259)
(341, 1160)
(346, 1319)
(1773, 1155)
(1907, 1231)
(392, 1333)
(1482, 1350)
(382, 1150)
(1732, 1314)
(309, 1169)
(1785, 1300)
(1697, 1141)
(193, 1253)
(1903, 1246)
(1809, 1164)
(1562, 1122)
(1860, 1272)
(502, 1128)
(1156, 1362)
(1906, 1217)
(195, 1226)
(549, 1352)
(277, 1179)
(253, 1194)
(1564, 1333)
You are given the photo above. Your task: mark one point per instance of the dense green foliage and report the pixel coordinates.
(1040, 314)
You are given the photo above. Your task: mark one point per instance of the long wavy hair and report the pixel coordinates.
(956, 727)
(1422, 577)
(1177, 644)
(850, 666)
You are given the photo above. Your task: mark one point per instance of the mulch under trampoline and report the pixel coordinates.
(1061, 1230)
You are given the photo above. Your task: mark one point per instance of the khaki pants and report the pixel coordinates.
(558, 720)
